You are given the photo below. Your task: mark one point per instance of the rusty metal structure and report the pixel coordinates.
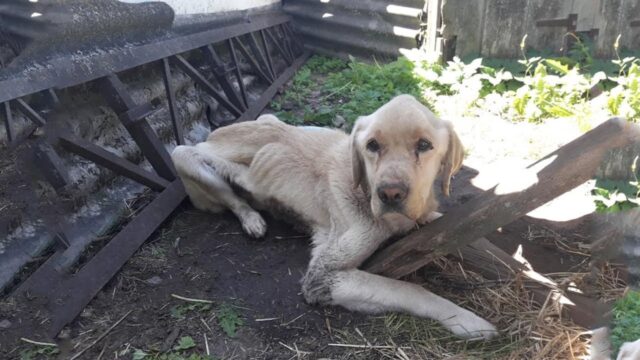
(63, 285)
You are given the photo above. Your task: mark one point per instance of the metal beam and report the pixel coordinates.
(256, 67)
(68, 71)
(236, 65)
(8, 119)
(220, 71)
(256, 108)
(171, 101)
(65, 295)
(30, 113)
(206, 85)
(142, 133)
(120, 166)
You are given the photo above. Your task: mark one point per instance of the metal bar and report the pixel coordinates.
(67, 294)
(265, 98)
(285, 39)
(266, 52)
(206, 85)
(66, 71)
(220, 71)
(152, 148)
(84, 285)
(30, 113)
(171, 101)
(137, 113)
(53, 96)
(297, 43)
(252, 61)
(50, 165)
(255, 49)
(8, 119)
(112, 162)
(234, 57)
(275, 42)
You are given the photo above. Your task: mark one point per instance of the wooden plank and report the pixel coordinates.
(494, 264)
(557, 173)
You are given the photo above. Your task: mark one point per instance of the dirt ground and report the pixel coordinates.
(199, 273)
(201, 256)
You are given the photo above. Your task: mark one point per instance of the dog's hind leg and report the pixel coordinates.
(209, 190)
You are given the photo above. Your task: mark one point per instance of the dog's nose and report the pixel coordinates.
(392, 194)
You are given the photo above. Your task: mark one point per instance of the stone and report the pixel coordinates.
(155, 280)
(5, 324)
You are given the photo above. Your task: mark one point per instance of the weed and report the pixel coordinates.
(626, 320)
(185, 343)
(181, 311)
(38, 352)
(228, 319)
(614, 196)
(182, 351)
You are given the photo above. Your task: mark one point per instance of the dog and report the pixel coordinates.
(352, 191)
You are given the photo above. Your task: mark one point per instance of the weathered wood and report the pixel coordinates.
(493, 263)
(522, 192)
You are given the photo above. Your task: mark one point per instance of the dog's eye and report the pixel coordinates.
(423, 145)
(373, 145)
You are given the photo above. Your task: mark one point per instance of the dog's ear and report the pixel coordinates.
(357, 161)
(452, 161)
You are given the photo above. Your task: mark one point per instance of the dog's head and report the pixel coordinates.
(397, 153)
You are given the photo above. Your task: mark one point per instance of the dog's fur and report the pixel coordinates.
(336, 185)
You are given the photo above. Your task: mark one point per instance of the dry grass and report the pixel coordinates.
(528, 330)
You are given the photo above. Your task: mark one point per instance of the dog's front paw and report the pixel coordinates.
(468, 325)
(253, 224)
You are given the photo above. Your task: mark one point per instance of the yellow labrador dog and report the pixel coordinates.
(353, 192)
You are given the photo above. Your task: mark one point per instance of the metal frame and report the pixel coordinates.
(62, 294)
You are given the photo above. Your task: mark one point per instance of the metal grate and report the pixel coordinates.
(60, 292)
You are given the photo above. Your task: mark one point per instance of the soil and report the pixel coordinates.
(204, 256)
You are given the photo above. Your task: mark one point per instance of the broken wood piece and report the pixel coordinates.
(524, 191)
(493, 263)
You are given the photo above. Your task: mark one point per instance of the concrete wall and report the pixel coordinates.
(495, 28)
(190, 7)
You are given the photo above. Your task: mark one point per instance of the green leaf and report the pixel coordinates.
(185, 343)
(557, 66)
(229, 320)
(139, 354)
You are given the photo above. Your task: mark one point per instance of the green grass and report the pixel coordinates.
(326, 88)
(626, 320)
(536, 88)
